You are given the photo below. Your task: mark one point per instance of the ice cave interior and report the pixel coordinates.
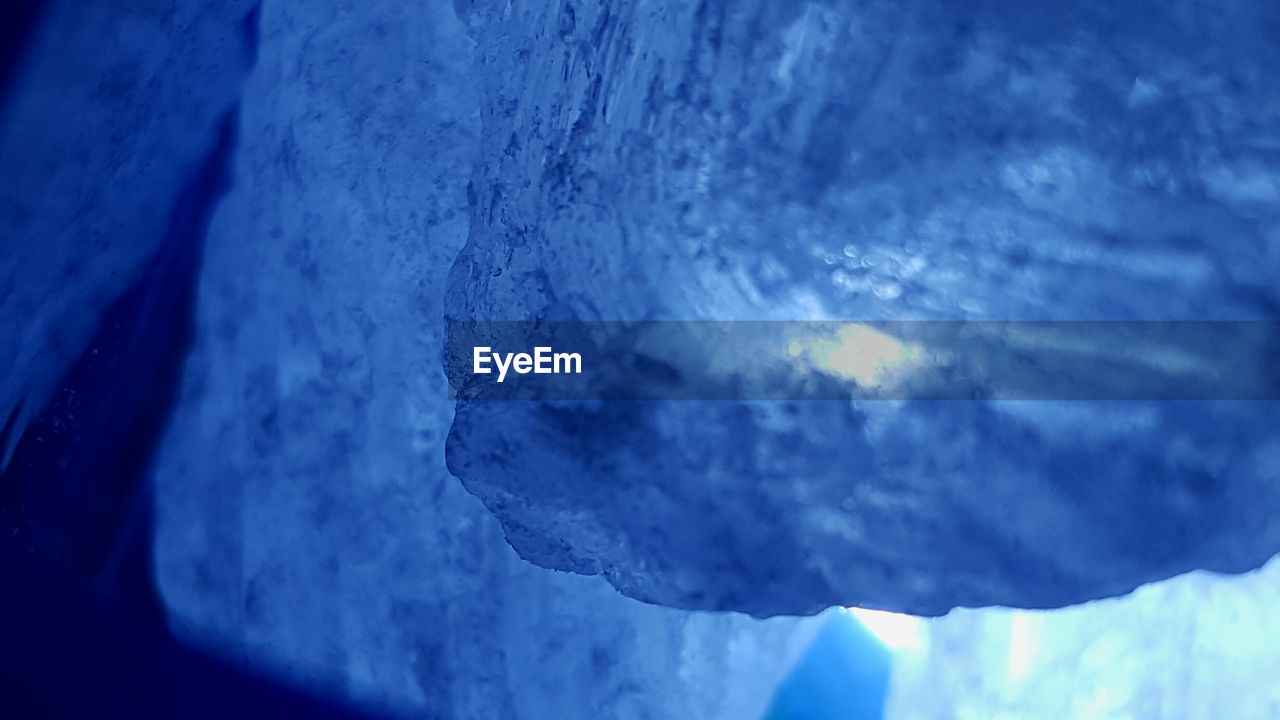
(234, 232)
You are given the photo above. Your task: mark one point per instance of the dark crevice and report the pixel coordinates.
(75, 493)
(18, 24)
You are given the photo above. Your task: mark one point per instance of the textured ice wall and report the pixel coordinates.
(305, 516)
(1198, 647)
(111, 110)
(777, 160)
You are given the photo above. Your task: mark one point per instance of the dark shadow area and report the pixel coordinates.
(18, 23)
(82, 630)
(67, 651)
(74, 494)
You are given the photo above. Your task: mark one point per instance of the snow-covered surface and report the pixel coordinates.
(1197, 647)
(305, 516)
(883, 160)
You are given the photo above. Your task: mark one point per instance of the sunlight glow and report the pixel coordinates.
(1024, 639)
(898, 632)
(860, 353)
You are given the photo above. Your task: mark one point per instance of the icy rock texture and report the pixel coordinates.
(1198, 647)
(305, 516)
(111, 110)
(884, 160)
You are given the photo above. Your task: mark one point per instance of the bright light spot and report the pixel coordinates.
(897, 632)
(1024, 631)
(860, 353)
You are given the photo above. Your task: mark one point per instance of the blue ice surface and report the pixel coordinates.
(844, 675)
(881, 161)
(305, 517)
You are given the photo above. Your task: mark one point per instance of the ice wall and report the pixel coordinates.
(305, 516)
(884, 160)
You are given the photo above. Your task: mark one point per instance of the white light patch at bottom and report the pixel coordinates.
(1024, 641)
